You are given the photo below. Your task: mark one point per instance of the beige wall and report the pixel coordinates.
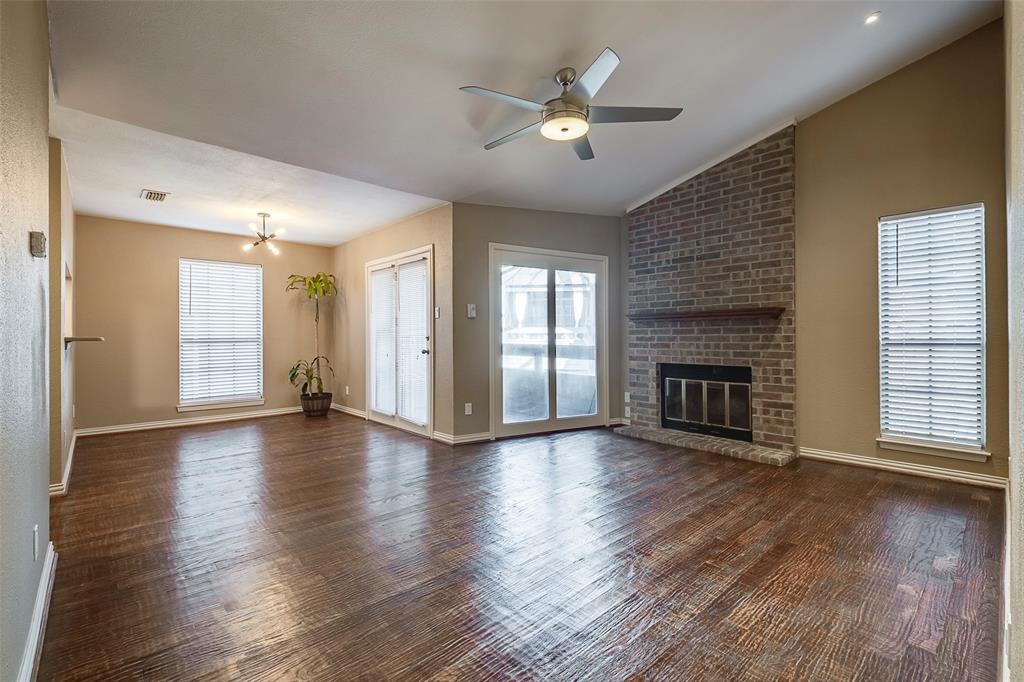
(1014, 40)
(928, 136)
(126, 289)
(24, 417)
(432, 227)
(61, 247)
(477, 226)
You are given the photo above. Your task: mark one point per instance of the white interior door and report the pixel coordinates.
(399, 352)
(548, 340)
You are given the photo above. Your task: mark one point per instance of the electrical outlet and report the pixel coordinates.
(469, 408)
(627, 415)
(471, 310)
(627, 397)
(35, 542)
(346, 390)
(437, 312)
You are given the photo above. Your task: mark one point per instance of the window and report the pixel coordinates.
(931, 315)
(220, 334)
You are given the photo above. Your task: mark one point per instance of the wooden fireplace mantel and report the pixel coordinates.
(773, 312)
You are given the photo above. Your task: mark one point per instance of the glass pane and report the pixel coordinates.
(716, 403)
(382, 340)
(575, 343)
(674, 399)
(524, 344)
(695, 401)
(739, 406)
(412, 340)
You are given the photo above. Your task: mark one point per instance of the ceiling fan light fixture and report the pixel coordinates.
(564, 124)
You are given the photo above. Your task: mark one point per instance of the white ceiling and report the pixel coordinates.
(369, 90)
(213, 188)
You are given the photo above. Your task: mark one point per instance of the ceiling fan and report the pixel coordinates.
(569, 116)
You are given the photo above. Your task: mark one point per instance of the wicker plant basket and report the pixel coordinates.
(316, 404)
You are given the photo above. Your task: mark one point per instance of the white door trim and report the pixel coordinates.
(494, 251)
(426, 251)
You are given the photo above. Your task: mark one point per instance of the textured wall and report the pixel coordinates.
(928, 136)
(724, 238)
(126, 289)
(1014, 38)
(477, 226)
(24, 415)
(431, 227)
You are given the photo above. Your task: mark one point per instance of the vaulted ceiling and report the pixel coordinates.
(369, 90)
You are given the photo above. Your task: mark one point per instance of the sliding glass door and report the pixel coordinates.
(548, 340)
(398, 326)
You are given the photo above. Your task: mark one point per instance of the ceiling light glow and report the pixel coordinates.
(872, 18)
(564, 125)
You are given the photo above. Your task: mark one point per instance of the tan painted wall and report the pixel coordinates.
(61, 246)
(1014, 40)
(928, 136)
(349, 262)
(126, 289)
(477, 226)
(24, 411)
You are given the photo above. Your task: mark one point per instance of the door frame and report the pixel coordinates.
(494, 251)
(395, 260)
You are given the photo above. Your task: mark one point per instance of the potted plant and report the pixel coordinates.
(307, 373)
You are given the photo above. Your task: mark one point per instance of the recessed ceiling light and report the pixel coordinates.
(872, 18)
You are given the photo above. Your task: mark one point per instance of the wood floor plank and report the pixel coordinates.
(325, 549)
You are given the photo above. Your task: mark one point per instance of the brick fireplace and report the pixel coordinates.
(711, 282)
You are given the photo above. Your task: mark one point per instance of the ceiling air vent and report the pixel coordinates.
(153, 195)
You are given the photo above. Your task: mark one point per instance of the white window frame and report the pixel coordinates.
(220, 403)
(936, 447)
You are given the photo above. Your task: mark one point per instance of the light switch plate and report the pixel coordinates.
(469, 408)
(437, 312)
(471, 310)
(37, 244)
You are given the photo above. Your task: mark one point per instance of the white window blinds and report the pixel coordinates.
(931, 314)
(220, 332)
(382, 340)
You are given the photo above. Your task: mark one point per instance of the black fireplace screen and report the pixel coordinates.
(709, 399)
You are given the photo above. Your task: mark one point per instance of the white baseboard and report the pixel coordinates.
(57, 489)
(349, 410)
(185, 421)
(619, 421)
(1007, 635)
(984, 480)
(449, 439)
(37, 625)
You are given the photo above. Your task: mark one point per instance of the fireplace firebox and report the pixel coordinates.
(710, 399)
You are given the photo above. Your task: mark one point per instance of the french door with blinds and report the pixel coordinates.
(548, 340)
(399, 368)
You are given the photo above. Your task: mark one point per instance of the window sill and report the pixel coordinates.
(927, 448)
(219, 405)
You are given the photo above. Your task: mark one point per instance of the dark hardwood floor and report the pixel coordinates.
(286, 548)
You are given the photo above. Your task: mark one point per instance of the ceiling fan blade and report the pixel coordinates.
(587, 85)
(513, 136)
(631, 114)
(581, 145)
(527, 104)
